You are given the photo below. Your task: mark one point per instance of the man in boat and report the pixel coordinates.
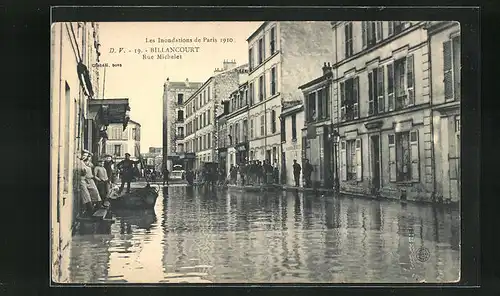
(126, 167)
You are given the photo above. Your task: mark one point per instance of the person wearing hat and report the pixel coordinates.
(126, 167)
(91, 186)
(108, 165)
(102, 180)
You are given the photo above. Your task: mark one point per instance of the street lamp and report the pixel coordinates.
(335, 138)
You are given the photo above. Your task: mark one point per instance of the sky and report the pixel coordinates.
(141, 80)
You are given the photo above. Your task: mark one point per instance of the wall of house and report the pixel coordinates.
(293, 149)
(305, 47)
(68, 109)
(128, 143)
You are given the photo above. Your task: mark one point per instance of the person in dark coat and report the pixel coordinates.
(126, 167)
(308, 169)
(296, 173)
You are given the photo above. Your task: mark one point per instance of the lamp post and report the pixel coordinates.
(335, 138)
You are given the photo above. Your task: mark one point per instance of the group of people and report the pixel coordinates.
(96, 181)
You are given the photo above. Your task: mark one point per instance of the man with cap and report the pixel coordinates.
(102, 180)
(126, 167)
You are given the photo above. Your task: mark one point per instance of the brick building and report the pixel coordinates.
(282, 55)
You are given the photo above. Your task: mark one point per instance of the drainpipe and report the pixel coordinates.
(433, 156)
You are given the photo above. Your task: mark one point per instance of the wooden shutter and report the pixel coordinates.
(390, 86)
(359, 161)
(371, 91)
(356, 97)
(343, 38)
(363, 33)
(414, 153)
(342, 101)
(447, 67)
(391, 28)
(380, 89)
(392, 157)
(343, 160)
(378, 30)
(456, 67)
(410, 80)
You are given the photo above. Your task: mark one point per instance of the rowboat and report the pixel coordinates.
(99, 223)
(138, 198)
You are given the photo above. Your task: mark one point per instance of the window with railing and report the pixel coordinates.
(318, 105)
(349, 99)
(401, 83)
(371, 33)
(376, 91)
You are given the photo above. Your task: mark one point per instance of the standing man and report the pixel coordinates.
(296, 173)
(308, 169)
(102, 180)
(166, 174)
(126, 167)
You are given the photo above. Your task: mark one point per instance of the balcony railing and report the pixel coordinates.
(180, 119)
(179, 136)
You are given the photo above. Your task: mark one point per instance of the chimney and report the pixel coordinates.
(229, 64)
(187, 82)
(327, 68)
(166, 82)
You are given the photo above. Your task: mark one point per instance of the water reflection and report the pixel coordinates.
(195, 235)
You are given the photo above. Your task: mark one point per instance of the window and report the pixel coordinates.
(125, 134)
(348, 40)
(376, 98)
(237, 133)
(273, 121)
(118, 150)
(240, 97)
(351, 160)
(246, 97)
(245, 130)
(204, 119)
(451, 68)
(294, 128)
(180, 99)
(272, 42)
(349, 99)
(397, 27)
(209, 141)
(261, 51)
(180, 115)
(283, 129)
(134, 135)
(230, 135)
(401, 83)
(209, 116)
(273, 81)
(262, 125)
(261, 88)
(250, 94)
(208, 93)
(404, 157)
(250, 59)
(371, 33)
(251, 128)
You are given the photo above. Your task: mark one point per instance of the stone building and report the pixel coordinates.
(201, 110)
(282, 55)
(382, 108)
(174, 95)
(444, 49)
(237, 127)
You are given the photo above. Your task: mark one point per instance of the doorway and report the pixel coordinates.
(375, 164)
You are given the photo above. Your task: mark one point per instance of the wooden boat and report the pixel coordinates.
(99, 223)
(138, 198)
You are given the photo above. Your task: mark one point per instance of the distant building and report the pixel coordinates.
(201, 110)
(154, 158)
(237, 127)
(282, 55)
(124, 141)
(174, 96)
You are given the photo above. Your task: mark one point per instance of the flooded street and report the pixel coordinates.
(192, 236)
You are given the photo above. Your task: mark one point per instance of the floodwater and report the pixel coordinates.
(198, 237)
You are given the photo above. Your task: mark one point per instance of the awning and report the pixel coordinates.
(107, 111)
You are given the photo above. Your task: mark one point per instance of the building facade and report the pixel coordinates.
(382, 109)
(292, 121)
(78, 121)
(202, 108)
(121, 141)
(445, 56)
(316, 142)
(174, 95)
(154, 158)
(237, 127)
(282, 55)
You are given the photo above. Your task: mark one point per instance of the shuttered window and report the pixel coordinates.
(359, 161)
(451, 68)
(380, 89)
(349, 99)
(390, 86)
(410, 81)
(392, 158)
(343, 168)
(414, 153)
(401, 83)
(404, 158)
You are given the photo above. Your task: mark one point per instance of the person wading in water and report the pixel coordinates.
(127, 172)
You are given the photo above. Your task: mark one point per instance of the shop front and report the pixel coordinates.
(187, 160)
(318, 149)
